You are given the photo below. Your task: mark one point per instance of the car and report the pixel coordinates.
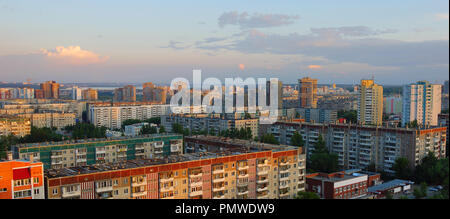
(433, 189)
(439, 187)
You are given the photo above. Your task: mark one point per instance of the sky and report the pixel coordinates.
(396, 42)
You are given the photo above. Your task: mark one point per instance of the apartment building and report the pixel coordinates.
(317, 115)
(370, 103)
(12, 125)
(21, 179)
(307, 93)
(358, 146)
(212, 123)
(422, 102)
(126, 94)
(50, 90)
(77, 153)
(265, 172)
(89, 94)
(51, 120)
(393, 105)
(112, 116)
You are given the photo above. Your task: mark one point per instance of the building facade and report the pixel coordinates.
(264, 174)
(11, 125)
(20, 179)
(112, 116)
(51, 120)
(370, 103)
(421, 103)
(359, 146)
(80, 153)
(307, 93)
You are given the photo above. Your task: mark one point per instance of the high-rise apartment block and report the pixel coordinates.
(421, 103)
(76, 93)
(240, 170)
(370, 103)
(307, 93)
(50, 120)
(125, 94)
(359, 146)
(90, 94)
(50, 90)
(21, 179)
(152, 93)
(74, 153)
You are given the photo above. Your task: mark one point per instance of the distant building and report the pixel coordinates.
(445, 88)
(317, 115)
(393, 105)
(125, 94)
(421, 103)
(21, 179)
(370, 103)
(51, 120)
(152, 93)
(39, 94)
(76, 93)
(135, 129)
(90, 94)
(11, 125)
(307, 93)
(50, 90)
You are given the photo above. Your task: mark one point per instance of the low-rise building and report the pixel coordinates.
(394, 187)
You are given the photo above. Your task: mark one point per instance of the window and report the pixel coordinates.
(125, 191)
(55, 191)
(36, 191)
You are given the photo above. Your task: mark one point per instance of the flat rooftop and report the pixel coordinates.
(251, 146)
(389, 185)
(92, 140)
(130, 164)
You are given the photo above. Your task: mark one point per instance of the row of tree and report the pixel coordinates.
(86, 130)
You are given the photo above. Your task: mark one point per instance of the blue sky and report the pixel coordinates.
(117, 41)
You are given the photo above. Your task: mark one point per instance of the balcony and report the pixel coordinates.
(72, 194)
(242, 167)
(243, 192)
(196, 184)
(284, 170)
(262, 181)
(138, 194)
(243, 176)
(219, 197)
(166, 189)
(54, 156)
(262, 173)
(262, 189)
(266, 196)
(135, 184)
(196, 193)
(164, 180)
(195, 175)
(284, 163)
(217, 180)
(159, 145)
(218, 189)
(283, 186)
(104, 189)
(218, 171)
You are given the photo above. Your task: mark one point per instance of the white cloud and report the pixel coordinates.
(442, 16)
(245, 21)
(73, 55)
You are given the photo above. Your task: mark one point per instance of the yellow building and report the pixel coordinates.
(370, 103)
(15, 126)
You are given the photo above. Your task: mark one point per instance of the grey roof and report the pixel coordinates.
(389, 185)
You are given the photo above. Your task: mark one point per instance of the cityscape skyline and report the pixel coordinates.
(288, 41)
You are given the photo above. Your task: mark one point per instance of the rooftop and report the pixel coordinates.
(389, 185)
(92, 140)
(336, 177)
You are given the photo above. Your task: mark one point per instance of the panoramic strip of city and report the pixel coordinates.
(224, 101)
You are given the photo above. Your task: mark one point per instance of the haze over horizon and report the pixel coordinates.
(138, 41)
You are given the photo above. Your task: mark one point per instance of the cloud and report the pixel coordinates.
(73, 55)
(246, 21)
(441, 16)
(352, 31)
(314, 66)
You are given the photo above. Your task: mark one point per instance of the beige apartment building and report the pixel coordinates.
(370, 103)
(10, 125)
(51, 120)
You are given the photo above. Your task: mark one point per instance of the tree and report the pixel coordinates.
(321, 160)
(177, 128)
(297, 140)
(350, 116)
(130, 122)
(162, 129)
(432, 170)
(307, 195)
(401, 168)
(41, 135)
(86, 130)
(421, 192)
(147, 129)
(269, 139)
